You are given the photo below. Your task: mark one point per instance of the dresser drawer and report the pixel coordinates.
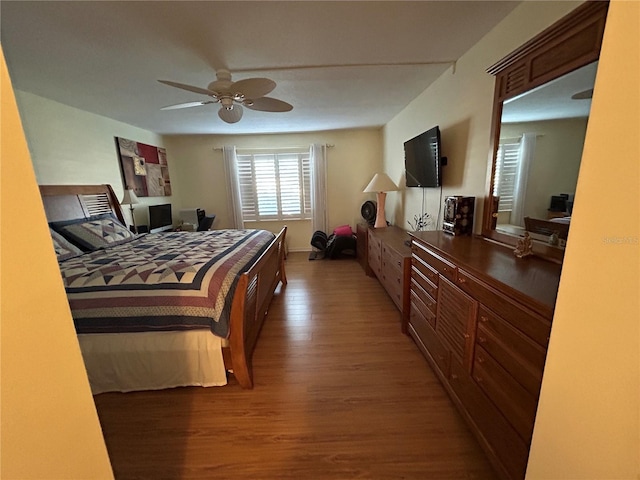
(442, 266)
(508, 446)
(391, 257)
(423, 307)
(515, 352)
(427, 337)
(374, 254)
(529, 323)
(515, 403)
(420, 265)
(424, 282)
(392, 282)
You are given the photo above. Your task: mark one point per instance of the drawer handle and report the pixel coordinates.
(482, 339)
(399, 263)
(478, 378)
(480, 359)
(484, 318)
(454, 376)
(462, 280)
(445, 269)
(466, 335)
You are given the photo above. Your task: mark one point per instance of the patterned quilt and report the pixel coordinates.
(161, 281)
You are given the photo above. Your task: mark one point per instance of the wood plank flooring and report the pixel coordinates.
(339, 393)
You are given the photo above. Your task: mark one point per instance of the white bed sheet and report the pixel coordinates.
(125, 362)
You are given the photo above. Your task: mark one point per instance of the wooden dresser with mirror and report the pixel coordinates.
(481, 316)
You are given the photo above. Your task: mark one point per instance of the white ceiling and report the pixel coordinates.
(364, 60)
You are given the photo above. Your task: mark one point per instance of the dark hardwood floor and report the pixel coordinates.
(339, 393)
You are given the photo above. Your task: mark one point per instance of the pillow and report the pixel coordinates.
(64, 248)
(96, 232)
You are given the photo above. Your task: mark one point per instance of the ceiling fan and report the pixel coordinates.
(232, 96)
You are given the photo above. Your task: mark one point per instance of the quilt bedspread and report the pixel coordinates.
(162, 281)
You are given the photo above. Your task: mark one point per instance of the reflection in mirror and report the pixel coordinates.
(542, 135)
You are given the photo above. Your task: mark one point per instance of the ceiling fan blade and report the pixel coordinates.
(187, 105)
(189, 88)
(253, 87)
(230, 116)
(584, 95)
(268, 104)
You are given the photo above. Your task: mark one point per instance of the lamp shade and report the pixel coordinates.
(129, 198)
(381, 183)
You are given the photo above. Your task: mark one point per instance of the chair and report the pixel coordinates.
(206, 223)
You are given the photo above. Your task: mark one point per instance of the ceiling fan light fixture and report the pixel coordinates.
(230, 115)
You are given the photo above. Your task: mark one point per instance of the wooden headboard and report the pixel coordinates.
(70, 202)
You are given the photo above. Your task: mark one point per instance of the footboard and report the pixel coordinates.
(251, 301)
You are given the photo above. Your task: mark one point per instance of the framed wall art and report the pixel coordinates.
(144, 168)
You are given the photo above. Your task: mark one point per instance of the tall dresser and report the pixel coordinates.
(482, 319)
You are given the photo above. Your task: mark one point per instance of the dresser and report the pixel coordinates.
(388, 257)
(482, 319)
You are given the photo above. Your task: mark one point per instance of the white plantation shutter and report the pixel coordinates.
(275, 186)
(505, 176)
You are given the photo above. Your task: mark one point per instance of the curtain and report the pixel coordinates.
(318, 157)
(231, 171)
(527, 150)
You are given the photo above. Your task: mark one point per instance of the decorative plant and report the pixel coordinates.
(420, 222)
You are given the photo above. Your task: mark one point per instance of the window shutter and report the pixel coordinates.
(275, 186)
(505, 177)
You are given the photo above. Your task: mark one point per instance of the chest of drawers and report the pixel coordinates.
(389, 259)
(482, 319)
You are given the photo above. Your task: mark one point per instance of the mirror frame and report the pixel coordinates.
(571, 43)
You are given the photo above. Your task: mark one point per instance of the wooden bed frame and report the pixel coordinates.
(254, 291)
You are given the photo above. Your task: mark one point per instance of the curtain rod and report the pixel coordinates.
(294, 147)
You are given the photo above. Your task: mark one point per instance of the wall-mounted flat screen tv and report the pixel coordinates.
(423, 160)
(160, 218)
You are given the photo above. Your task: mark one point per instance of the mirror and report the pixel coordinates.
(540, 112)
(540, 146)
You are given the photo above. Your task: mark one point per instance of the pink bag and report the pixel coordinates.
(343, 231)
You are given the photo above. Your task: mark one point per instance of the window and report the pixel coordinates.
(506, 173)
(275, 186)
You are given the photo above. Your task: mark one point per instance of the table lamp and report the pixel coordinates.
(380, 184)
(130, 198)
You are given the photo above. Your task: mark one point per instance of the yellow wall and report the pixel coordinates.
(49, 425)
(587, 425)
(71, 146)
(351, 163)
(461, 104)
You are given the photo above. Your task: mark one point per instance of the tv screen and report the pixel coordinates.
(160, 218)
(422, 160)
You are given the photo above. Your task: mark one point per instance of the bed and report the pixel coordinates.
(162, 310)
(560, 226)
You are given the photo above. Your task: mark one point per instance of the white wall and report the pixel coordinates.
(49, 429)
(351, 163)
(71, 146)
(461, 104)
(587, 426)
